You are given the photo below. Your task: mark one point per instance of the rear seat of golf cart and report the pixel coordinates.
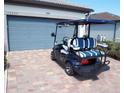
(86, 47)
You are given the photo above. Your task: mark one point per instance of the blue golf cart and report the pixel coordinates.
(79, 55)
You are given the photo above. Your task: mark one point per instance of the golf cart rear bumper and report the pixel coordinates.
(88, 69)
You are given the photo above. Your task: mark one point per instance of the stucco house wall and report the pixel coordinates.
(106, 30)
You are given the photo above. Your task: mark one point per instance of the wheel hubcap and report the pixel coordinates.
(68, 70)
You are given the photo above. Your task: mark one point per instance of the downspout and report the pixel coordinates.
(76, 31)
(55, 34)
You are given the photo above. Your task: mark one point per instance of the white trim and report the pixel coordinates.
(38, 15)
(6, 46)
(5, 80)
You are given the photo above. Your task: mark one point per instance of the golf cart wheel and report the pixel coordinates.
(52, 56)
(107, 62)
(69, 69)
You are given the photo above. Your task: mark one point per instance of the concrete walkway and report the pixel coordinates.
(34, 72)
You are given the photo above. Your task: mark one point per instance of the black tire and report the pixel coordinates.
(69, 69)
(53, 56)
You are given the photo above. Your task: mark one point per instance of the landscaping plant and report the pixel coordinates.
(113, 49)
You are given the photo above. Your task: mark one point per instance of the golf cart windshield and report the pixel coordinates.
(64, 31)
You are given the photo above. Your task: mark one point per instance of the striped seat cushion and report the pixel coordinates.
(82, 43)
(78, 44)
(90, 53)
(90, 43)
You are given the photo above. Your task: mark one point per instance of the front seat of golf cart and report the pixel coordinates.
(66, 45)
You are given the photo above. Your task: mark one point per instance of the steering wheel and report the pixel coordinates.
(65, 40)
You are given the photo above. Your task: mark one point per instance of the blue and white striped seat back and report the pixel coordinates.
(91, 43)
(79, 42)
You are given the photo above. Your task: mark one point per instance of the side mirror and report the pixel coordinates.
(53, 34)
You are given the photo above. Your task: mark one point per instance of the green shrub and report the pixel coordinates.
(113, 49)
(5, 61)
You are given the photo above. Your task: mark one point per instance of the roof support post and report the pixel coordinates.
(89, 30)
(76, 31)
(114, 32)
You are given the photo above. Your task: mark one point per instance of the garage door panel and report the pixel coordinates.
(30, 33)
(27, 33)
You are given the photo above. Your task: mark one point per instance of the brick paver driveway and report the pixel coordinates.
(34, 72)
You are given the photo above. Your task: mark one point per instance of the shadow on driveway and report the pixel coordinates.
(87, 77)
(93, 77)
